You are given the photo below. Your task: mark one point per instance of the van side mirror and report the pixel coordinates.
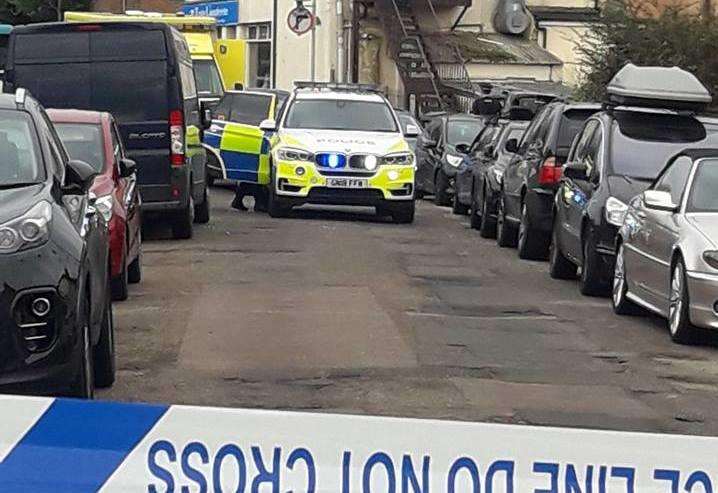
(127, 167)
(512, 146)
(411, 131)
(79, 177)
(659, 200)
(268, 125)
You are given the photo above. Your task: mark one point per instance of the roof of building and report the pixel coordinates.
(564, 14)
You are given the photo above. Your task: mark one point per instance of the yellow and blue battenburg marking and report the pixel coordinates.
(244, 150)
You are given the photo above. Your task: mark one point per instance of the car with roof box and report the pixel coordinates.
(651, 114)
(56, 326)
(141, 73)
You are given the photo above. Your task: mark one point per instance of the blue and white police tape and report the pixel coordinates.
(66, 445)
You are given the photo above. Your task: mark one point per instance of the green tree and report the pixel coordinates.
(638, 31)
(28, 11)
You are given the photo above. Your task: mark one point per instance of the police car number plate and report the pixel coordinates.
(347, 183)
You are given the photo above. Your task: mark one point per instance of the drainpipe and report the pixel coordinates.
(341, 72)
(275, 28)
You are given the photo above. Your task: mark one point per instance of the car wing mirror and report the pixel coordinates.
(268, 125)
(128, 167)
(575, 171)
(411, 131)
(659, 200)
(512, 146)
(79, 177)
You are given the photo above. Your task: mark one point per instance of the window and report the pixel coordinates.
(484, 139)
(675, 177)
(532, 130)
(189, 88)
(433, 130)
(327, 114)
(19, 150)
(258, 32)
(84, 142)
(570, 124)
(584, 139)
(463, 131)
(209, 82)
(703, 197)
(593, 153)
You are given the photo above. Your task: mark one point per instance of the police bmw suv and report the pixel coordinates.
(340, 145)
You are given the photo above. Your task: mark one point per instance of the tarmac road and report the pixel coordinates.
(337, 311)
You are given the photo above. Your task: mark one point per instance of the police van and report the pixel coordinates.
(340, 144)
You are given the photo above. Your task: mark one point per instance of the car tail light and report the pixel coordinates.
(176, 138)
(550, 172)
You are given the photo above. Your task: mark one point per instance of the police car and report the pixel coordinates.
(340, 145)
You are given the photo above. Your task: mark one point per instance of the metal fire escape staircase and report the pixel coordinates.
(437, 85)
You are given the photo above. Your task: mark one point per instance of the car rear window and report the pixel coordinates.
(84, 142)
(642, 143)
(571, 123)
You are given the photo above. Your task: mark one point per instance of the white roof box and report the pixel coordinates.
(658, 87)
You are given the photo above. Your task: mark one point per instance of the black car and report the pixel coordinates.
(617, 155)
(476, 160)
(142, 74)
(525, 207)
(440, 150)
(56, 332)
(487, 178)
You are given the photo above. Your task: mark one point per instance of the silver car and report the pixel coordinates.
(667, 248)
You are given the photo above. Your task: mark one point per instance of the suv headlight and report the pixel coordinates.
(711, 258)
(291, 154)
(615, 211)
(104, 205)
(455, 161)
(29, 230)
(399, 158)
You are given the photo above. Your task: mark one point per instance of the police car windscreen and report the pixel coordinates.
(642, 143)
(84, 142)
(18, 150)
(329, 114)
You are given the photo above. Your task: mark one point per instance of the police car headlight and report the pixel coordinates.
(455, 161)
(291, 154)
(399, 158)
(30, 229)
(615, 211)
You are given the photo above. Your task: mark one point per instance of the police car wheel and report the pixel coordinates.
(275, 206)
(403, 213)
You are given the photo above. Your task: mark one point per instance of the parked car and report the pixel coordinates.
(406, 120)
(479, 156)
(489, 177)
(94, 138)
(616, 156)
(525, 206)
(667, 248)
(440, 151)
(142, 74)
(56, 330)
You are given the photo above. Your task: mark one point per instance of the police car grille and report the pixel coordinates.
(331, 172)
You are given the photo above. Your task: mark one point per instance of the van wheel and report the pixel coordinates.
(104, 352)
(182, 224)
(119, 284)
(201, 211)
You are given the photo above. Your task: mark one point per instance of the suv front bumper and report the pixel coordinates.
(302, 182)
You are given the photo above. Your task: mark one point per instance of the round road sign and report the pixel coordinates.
(300, 20)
